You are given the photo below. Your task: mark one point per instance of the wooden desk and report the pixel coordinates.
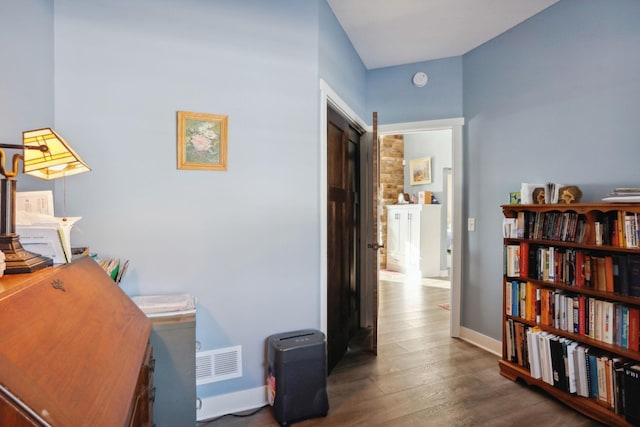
(74, 350)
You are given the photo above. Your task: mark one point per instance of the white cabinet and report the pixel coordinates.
(413, 239)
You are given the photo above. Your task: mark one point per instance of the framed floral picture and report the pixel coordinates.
(202, 141)
(420, 171)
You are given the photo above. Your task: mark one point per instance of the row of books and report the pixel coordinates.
(607, 321)
(616, 228)
(605, 272)
(575, 368)
(562, 226)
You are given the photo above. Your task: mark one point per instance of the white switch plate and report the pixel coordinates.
(471, 224)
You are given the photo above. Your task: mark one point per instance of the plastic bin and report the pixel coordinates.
(297, 375)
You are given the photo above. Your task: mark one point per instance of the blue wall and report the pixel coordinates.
(339, 64)
(26, 74)
(245, 242)
(554, 99)
(391, 93)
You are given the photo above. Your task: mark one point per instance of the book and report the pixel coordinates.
(509, 228)
(582, 307)
(508, 299)
(631, 381)
(513, 260)
(545, 357)
(592, 369)
(572, 371)
(601, 273)
(620, 274)
(557, 363)
(624, 322)
(608, 268)
(524, 259)
(580, 269)
(617, 375)
(508, 330)
(534, 351)
(607, 322)
(633, 271)
(582, 383)
(633, 334)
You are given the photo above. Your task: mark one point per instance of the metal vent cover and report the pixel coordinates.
(218, 365)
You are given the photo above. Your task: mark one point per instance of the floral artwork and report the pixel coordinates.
(202, 141)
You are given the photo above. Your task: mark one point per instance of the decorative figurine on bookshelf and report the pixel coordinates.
(538, 195)
(550, 192)
(570, 194)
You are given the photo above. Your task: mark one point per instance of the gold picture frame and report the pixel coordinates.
(202, 141)
(420, 171)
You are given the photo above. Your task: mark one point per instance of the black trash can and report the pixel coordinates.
(297, 375)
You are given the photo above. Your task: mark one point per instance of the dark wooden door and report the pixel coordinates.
(373, 229)
(343, 237)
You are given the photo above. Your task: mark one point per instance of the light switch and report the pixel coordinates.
(471, 224)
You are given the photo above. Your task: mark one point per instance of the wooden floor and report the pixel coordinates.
(422, 377)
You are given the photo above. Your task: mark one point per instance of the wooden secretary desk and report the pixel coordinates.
(74, 350)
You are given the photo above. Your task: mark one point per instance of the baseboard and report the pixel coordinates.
(231, 403)
(245, 400)
(484, 342)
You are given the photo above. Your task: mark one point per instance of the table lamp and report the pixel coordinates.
(47, 156)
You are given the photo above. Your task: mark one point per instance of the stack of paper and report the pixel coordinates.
(624, 195)
(39, 230)
(114, 267)
(162, 305)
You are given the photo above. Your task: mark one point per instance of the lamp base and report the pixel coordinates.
(17, 259)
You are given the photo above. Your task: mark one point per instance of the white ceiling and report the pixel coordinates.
(387, 33)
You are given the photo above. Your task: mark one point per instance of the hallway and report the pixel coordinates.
(422, 377)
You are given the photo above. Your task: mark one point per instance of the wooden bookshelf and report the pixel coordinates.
(582, 231)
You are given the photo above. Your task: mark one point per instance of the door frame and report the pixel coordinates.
(329, 97)
(455, 125)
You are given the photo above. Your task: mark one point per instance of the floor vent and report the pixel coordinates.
(218, 365)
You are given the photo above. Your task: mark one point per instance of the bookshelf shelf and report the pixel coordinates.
(586, 406)
(571, 305)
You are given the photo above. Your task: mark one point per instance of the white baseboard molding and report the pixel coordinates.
(231, 403)
(484, 342)
(245, 400)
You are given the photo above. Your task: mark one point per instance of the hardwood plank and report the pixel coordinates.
(423, 377)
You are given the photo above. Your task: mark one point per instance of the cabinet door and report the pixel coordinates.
(412, 242)
(393, 233)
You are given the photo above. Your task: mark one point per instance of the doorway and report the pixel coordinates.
(432, 199)
(329, 97)
(455, 191)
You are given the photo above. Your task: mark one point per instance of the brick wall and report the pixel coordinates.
(391, 180)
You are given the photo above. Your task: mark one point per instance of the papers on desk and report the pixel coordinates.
(50, 236)
(165, 305)
(39, 230)
(35, 202)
